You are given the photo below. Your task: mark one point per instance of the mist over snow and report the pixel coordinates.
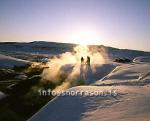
(69, 64)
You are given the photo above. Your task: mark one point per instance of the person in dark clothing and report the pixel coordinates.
(82, 60)
(88, 60)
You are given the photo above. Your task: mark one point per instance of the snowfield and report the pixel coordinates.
(10, 62)
(131, 102)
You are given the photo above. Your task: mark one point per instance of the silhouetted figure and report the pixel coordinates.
(88, 60)
(82, 60)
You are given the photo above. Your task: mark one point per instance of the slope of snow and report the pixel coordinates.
(9, 62)
(127, 74)
(131, 82)
(130, 104)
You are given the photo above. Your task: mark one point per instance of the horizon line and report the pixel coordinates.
(72, 44)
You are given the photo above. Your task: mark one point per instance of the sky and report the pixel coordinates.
(116, 23)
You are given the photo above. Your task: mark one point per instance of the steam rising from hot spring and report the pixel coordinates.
(68, 66)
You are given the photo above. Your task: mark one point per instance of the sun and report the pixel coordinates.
(86, 38)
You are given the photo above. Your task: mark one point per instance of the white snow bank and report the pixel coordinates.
(7, 61)
(128, 74)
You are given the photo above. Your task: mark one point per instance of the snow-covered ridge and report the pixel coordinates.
(58, 48)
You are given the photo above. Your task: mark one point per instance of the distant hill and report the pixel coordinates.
(41, 47)
(36, 47)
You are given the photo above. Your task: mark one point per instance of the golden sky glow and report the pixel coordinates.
(85, 38)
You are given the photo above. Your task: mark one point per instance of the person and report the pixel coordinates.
(88, 60)
(82, 60)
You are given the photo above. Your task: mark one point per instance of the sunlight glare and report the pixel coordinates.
(85, 38)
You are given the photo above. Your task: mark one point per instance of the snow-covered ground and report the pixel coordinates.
(130, 102)
(9, 62)
(2, 95)
(91, 73)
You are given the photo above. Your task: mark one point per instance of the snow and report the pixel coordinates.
(9, 62)
(128, 74)
(2, 95)
(131, 82)
(142, 59)
(94, 72)
(129, 104)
